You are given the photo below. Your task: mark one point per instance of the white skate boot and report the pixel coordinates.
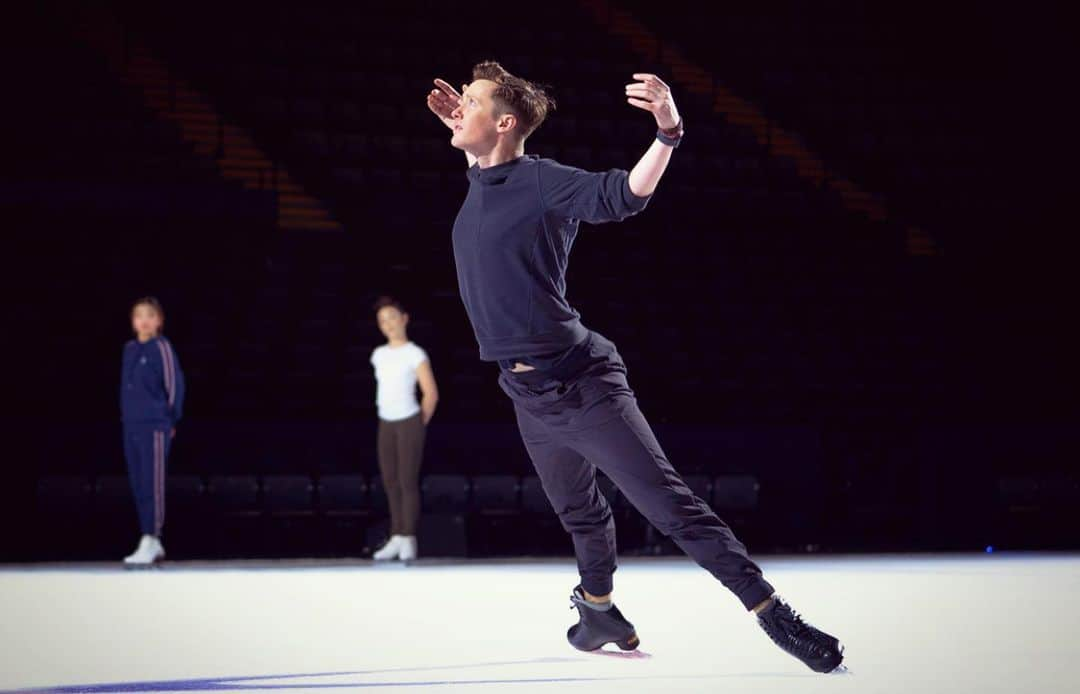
(391, 550)
(148, 552)
(408, 548)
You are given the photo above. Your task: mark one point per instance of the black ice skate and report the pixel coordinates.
(820, 651)
(596, 627)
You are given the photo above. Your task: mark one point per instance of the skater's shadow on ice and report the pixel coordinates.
(310, 680)
(345, 679)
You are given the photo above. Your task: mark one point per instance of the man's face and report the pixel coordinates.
(392, 322)
(476, 127)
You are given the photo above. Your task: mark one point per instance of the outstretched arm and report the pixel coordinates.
(652, 95)
(442, 101)
(614, 195)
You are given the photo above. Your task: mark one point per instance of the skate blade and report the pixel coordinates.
(840, 669)
(636, 654)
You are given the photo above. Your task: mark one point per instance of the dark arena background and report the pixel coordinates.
(847, 312)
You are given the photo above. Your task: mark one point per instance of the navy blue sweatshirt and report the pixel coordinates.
(512, 240)
(151, 383)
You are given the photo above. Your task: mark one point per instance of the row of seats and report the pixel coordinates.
(350, 494)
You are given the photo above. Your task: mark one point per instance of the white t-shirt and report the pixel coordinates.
(395, 377)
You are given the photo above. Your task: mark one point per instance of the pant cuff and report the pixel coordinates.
(755, 592)
(597, 585)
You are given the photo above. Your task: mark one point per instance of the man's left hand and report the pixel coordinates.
(651, 94)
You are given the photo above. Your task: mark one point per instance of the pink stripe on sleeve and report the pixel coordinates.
(169, 369)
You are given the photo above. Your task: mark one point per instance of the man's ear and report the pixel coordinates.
(506, 122)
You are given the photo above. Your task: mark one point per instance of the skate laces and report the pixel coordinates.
(792, 621)
(795, 632)
(579, 601)
(576, 599)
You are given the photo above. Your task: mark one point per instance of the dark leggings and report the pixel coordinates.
(401, 450)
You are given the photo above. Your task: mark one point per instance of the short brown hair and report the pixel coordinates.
(388, 301)
(528, 102)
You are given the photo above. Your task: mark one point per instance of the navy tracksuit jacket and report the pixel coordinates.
(151, 403)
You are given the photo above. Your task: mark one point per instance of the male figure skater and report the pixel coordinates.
(575, 410)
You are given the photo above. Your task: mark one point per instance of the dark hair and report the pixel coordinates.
(527, 101)
(153, 303)
(384, 301)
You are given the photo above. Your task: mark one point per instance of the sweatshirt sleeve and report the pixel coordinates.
(174, 380)
(593, 197)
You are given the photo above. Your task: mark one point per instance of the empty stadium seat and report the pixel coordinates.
(112, 495)
(343, 494)
(735, 492)
(288, 494)
(377, 495)
(495, 493)
(445, 493)
(185, 494)
(234, 494)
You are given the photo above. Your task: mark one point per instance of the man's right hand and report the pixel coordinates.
(442, 102)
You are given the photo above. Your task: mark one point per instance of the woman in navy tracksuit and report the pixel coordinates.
(151, 402)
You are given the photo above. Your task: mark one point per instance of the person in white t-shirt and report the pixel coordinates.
(399, 366)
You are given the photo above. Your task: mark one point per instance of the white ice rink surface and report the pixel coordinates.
(957, 624)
